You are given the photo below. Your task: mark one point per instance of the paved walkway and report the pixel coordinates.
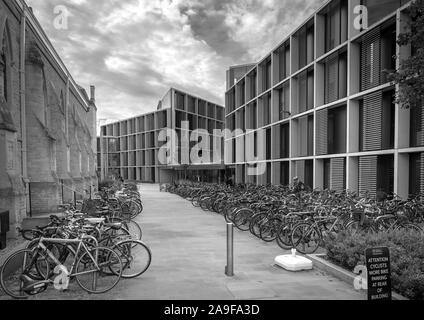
(189, 258)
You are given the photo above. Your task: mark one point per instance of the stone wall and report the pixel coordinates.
(60, 124)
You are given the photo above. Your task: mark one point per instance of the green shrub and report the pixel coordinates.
(406, 254)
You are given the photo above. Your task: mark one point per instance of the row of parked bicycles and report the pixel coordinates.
(95, 244)
(302, 220)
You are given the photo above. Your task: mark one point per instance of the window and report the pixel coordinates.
(416, 163)
(202, 106)
(252, 88)
(417, 127)
(305, 91)
(179, 101)
(266, 74)
(191, 105)
(377, 121)
(53, 156)
(335, 84)
(4, 65)
(284, 141)
(268, 144)
(231, 101)
(305, 136)
(378, 9)
(385, 174)
(68, 159)
(337, 130)
(378, 51)
(10, 155)
(265, 114)
(284, 173)
(335, 24)
(284, 61)
(284, 101)
(306, 45)
(3, 77)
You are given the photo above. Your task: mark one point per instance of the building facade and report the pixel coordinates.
(47, 121)
(132, 148)
(324, 106)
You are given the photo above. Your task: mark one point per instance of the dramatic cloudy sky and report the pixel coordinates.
(134, 50)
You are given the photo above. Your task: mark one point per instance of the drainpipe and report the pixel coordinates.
(66, 110)
(23, 105)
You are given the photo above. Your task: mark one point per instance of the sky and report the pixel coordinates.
(133, 51)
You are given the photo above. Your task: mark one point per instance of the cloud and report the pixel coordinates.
(134, 50)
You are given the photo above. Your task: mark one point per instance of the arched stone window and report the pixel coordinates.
(5, 60)
(46, 101)
(62, 102)
(3, 76)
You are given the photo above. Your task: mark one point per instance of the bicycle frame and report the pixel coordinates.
(82, 247)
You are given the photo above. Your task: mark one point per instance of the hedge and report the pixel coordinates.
(406, 254)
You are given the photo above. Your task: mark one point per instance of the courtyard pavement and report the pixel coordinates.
(189, 258)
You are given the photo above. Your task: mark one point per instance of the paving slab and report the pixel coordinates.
(189, 258)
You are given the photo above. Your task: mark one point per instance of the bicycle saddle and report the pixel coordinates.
(94, 220)
(304, 214)
(114, 226)
(33, 287)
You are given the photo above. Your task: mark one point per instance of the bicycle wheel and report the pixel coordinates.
(354, 227)
(122, 232)
(205, 203)
(136, 258)
(99, 279)
(135, 209)
(229, 214)
(22, 263)
(134, 230)
(269, 230)
(306, 238)
(242, 219)
(284, 233)
(255, 223)
(409, 227)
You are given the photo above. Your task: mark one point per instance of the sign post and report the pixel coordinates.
(379, 274)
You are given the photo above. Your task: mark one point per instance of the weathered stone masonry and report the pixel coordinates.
(47, 122)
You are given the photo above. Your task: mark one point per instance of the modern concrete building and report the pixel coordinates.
(326, 107)
(131, 148)
(47, 121)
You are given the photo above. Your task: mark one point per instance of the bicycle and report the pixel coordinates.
(28, 272)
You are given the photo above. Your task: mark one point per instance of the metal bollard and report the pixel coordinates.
(229, 269)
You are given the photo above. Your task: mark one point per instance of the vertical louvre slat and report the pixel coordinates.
(303, 137)
(337, 167)
(371, 60)
(420, 129)
(331, 77)
(302, 91)
(368, 175)
(421, 177)
(372, 132)
(322, 132)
